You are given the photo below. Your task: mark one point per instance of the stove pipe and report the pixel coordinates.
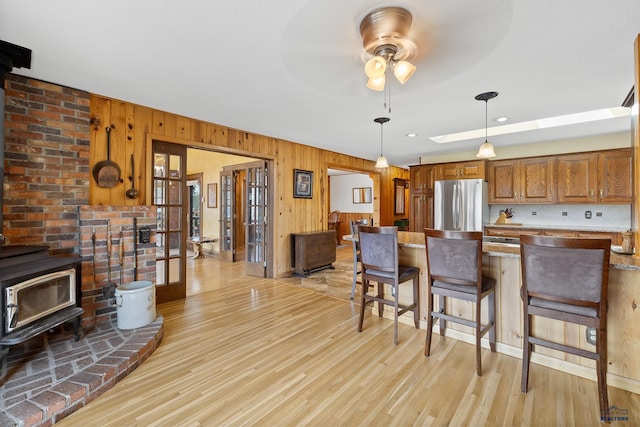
(11, 56)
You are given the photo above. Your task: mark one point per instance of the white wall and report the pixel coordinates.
(341, 188)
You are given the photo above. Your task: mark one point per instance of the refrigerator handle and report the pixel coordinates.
(455, 208)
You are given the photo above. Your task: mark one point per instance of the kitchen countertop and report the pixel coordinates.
(415, 240)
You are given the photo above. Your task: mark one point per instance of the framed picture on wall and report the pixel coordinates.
(212, 195)
(302, 184)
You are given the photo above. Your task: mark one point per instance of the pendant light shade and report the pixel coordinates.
(382, 161)
(486, 150)
(403, 70)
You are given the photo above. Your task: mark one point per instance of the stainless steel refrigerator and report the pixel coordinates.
(460, 205)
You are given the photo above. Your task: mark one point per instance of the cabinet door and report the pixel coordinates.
(537, 180)
(421, 212)
(465, 170)
(473, 170)
(614, 175)
(509, 232)
(502, 182)
(422, 178)
(616, 238)
(449, 171)
(577, 178)
(560, 233)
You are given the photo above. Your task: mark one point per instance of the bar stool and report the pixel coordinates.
(566, 279)
(454, 259)
(379, 263)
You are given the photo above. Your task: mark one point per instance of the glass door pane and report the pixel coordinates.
(227, 216)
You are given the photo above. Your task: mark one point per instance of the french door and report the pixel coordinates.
(254, 208)
(169, 195)
(256, 190)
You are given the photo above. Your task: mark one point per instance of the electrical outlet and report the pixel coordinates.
(591, 336)
(564, 214)
(587, 214)
(534, 213)
(598, 213)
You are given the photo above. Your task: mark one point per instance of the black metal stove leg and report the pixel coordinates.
(4, 351)
(76, 328)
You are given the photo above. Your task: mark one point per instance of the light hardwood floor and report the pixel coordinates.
(247, 351)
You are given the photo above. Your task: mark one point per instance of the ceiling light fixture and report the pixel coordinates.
(486, 150)
(384, 34)
(382, 161)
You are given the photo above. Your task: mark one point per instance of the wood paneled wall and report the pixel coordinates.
(133, 125)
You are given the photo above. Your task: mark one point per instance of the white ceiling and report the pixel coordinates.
(292, 69)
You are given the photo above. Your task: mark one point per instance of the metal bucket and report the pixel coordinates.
(136, 304)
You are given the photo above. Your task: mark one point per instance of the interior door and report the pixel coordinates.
(227, 215)
(256, 191)
(169, 195)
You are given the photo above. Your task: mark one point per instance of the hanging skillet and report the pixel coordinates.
(107, 173)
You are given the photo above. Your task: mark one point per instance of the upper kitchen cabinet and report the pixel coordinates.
(598, 177)
(615, 182)
(422, 178)
(577, 178)
(522, 181)
(462, 170)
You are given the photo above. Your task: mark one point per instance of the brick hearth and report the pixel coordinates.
(52, 375)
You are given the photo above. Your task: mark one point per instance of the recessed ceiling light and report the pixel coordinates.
(569, 119)
(502, 119)
(412, 135)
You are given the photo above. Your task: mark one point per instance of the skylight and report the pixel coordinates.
(569, 119)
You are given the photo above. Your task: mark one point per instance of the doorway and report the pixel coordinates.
(246, 205)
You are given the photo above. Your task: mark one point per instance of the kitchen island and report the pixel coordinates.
(502, 262)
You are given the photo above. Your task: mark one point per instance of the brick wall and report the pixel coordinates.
(46, 191)
(46, 163)
(97, 296)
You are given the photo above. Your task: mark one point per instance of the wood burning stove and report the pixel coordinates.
(38, 292)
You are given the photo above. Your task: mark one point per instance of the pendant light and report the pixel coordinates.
(486, 150)
(382, 161)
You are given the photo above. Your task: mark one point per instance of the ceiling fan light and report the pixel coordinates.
(376, 84)
(375, 67)
(382, 162)
(486, 150)
(403, 70)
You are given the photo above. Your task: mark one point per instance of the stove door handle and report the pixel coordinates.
(14, 317)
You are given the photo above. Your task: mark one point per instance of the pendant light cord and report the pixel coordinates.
(486, 123)
(381, 124)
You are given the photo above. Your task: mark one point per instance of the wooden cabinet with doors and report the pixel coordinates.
(597, 177)
(521, 181)
(422, 178)
(462, 170)
(615, 182)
